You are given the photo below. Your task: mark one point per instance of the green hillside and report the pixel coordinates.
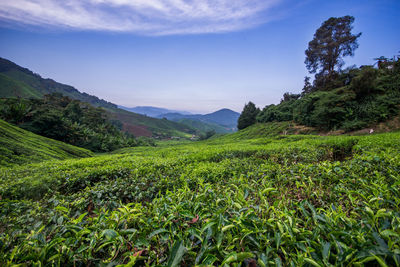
(287, 201)
(33, 85)
(16, 81)
(18, 146)
(11, 87)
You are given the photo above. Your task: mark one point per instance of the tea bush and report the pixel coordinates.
(228, 201)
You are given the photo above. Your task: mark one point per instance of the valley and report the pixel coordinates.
(293, 200)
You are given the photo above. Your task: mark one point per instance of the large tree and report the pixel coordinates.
(248, 115)
(332, 41)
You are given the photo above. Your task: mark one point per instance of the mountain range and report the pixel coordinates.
(152, 111)
(221, 121)
(224, 117)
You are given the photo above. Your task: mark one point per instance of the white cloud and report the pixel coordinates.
(150, 17)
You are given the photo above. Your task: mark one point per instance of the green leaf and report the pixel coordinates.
(312, 262)
(209, 260)
(387, 233)
(369, 211)
(156, 232)
(380, 261)
(80, 218)
(325, 251)
(62, 209)
(177, 252)
(237, 257)
(268, 190)
(226, 228)
(109, 234)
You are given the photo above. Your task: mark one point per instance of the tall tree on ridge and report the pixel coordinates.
(332, 41)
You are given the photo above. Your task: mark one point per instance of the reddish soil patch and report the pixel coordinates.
(136, 130)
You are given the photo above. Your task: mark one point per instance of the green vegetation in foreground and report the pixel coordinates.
(18, 146)
(272, 201)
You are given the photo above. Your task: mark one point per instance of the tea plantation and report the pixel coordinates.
(236, 200)
(18, 146)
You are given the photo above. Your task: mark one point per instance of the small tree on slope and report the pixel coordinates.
(248, 115)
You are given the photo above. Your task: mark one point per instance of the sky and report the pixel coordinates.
(193, 55)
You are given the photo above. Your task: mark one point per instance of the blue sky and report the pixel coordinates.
(189, 55)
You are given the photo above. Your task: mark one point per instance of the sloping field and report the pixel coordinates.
(271, 201)
(18, 146)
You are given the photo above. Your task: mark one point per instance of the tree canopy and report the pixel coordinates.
(248, 115)
(332, 41)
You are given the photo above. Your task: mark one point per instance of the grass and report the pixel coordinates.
(269, 200)
(18, 146)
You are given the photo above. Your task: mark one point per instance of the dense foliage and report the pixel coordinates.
(348, 99)
(18, 146)
(71, 121)
(248, 116)
(275, 201)
(361, 97)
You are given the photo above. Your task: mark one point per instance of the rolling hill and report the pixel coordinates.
(16, 81)
(18, 146)
(204, 126)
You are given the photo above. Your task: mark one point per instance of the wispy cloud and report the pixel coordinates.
(150, 17)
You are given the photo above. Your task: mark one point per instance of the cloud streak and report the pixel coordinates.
(147, 17)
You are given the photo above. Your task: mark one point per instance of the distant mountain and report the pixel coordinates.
(205, 127)
(224, 117)
(16, 81)
(152, 111)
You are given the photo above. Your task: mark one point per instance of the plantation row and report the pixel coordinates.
(271, 201)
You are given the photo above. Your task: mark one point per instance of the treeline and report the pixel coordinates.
(71, 121)
(348, 99)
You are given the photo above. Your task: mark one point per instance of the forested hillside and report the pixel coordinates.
(357, 98)
(347, 99)
(16, 81)
(71, 121)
